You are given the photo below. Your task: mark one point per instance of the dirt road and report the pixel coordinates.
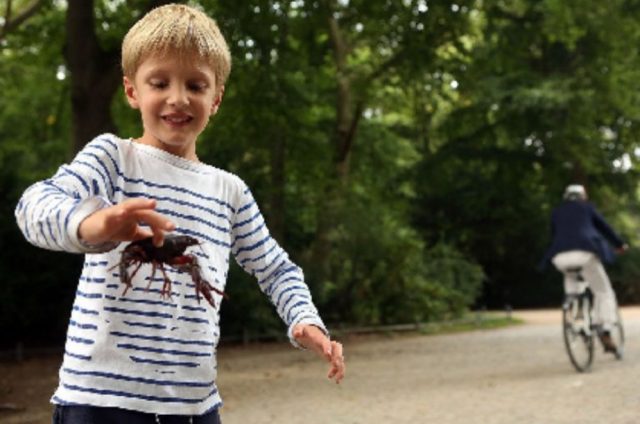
(516, 375)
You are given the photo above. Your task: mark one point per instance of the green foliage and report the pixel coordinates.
(474, 116)
(389, 277)
(34, 127)
(382, 272)
(248, 312)
(549, 97)
(625, 277)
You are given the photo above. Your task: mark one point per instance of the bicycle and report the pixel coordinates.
(579, 330)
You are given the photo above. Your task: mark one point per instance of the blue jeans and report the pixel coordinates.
(78, 414)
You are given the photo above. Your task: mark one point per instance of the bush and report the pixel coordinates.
(625, 276)
(382, 273)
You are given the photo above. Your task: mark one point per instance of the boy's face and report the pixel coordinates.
(176, 99)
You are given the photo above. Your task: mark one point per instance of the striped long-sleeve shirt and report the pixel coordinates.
(141, 351)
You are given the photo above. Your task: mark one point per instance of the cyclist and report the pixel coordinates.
(581, 240)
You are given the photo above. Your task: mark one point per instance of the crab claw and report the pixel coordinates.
(204, 287)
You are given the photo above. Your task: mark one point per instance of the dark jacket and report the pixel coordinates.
(577, 225)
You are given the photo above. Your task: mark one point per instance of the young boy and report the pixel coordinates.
(141, 357)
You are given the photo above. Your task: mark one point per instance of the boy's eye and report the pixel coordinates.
(197, 87)
(159, 84)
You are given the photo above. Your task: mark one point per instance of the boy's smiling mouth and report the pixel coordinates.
(177, 119)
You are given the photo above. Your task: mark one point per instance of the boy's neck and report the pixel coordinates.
(188, 154)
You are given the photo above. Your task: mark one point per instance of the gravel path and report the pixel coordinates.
(516, 375)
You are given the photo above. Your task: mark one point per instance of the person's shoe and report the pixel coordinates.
(607, 342)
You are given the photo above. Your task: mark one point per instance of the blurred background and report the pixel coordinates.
(406, 153)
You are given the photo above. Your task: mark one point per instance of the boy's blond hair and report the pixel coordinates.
(176, 29)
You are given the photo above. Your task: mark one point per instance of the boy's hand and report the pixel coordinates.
(314, 339)
(121, 222)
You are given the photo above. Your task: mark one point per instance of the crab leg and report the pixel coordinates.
(166, 287)
(153, 274)
(126, 279)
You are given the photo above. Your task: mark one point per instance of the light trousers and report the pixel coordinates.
(595, 276)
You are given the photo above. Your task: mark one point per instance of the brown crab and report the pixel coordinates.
(171, 253)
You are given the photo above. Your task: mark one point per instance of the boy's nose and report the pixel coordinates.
(178, 97)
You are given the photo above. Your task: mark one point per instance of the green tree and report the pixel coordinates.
(549, 98)
(404, 152)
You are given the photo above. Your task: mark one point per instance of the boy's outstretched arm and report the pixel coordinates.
(78, 209)
(281, 280)
(313, 338)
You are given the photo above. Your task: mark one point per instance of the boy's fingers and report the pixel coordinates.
(142, 233)
(336, 347)
(331, 350)
(126, 210)
(336, 353)
(327, 350)
(158, 238)
(337, 373)
(337, 362)
(156, 221)
(131, 205)
(124, 221)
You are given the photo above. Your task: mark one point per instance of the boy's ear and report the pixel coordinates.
(130, 92)
(217, 101)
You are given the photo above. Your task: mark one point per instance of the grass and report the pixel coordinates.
(471, 322)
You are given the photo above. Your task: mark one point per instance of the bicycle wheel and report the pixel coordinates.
(578, 336)
(617, 333)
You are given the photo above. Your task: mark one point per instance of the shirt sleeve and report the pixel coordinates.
(50, 211)
(278, 277)
(604, 228)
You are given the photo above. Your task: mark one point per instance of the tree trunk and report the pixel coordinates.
(347, 119)
(95, 73)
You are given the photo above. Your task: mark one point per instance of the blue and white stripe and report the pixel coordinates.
(120, 349)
